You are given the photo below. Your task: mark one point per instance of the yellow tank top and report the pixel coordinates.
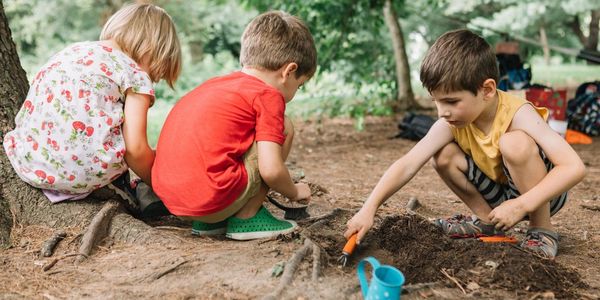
(484, 148)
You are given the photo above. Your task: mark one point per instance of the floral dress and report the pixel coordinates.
(68, 135)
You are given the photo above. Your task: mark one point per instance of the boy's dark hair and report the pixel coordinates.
(458, 60)
(275, 38)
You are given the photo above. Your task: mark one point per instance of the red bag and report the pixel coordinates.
(554, 100)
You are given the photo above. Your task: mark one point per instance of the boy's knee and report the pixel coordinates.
(517, 147)
(443, 159)
(288, 129)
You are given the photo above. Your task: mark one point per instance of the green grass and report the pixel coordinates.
(564, 75)
(156, 118)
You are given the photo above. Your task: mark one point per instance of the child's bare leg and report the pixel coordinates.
(254, 203)
(522, 159)
(451, 165)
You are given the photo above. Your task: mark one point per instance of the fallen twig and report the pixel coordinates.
(172, 228)
(50, 244)
(316, 256)
(168, 270)
(591, 207)
(97, 229)
(454, 280)
(53, 262)
(290, 269)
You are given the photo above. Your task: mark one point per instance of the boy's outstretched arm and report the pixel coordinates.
(139, 156)
(276, 175)
(568, 169)
(397, 175)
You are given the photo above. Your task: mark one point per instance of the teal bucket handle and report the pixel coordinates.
(362, 277)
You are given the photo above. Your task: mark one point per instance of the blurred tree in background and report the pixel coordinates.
(369, 50)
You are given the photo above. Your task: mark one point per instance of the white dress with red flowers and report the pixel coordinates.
(68, 132)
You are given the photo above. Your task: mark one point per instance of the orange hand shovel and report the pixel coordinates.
(348, 249)
(498, 239)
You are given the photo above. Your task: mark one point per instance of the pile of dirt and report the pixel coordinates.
(424, 254)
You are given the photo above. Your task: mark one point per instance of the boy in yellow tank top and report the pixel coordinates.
(494, 150)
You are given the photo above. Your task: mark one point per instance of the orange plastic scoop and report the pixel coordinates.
(348, 249)
(498, 239)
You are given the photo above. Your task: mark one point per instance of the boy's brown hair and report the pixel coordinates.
(458, 60)
(275, 38)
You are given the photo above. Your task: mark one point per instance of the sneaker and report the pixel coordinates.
(262, 225)
(542, 242)
(461, 226)
(208, 229)
(150, 204)
(122, 187)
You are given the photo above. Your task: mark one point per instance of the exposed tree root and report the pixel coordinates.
(50, 244)
(290, 268)
(97, 229)
(316, 256)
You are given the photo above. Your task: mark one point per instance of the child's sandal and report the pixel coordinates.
(542, 242)
(461, 226)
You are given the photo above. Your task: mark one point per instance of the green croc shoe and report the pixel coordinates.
(262, 225)
(206, 229)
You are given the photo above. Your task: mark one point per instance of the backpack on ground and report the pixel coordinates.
(583, 112)
(414, 126)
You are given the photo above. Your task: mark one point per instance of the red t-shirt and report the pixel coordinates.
(199, 165)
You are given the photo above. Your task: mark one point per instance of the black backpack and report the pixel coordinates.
(414, 126)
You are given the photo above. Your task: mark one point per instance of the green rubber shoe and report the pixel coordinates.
(262, 225)
(206, 229)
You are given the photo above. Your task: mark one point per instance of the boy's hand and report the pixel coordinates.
(507, 214)
(303, 193)
(361, 222)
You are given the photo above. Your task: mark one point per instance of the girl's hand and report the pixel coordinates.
(361, 222)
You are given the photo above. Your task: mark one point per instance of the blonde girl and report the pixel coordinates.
(83, 122)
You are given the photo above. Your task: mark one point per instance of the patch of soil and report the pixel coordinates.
(346, 165)
(423, 253)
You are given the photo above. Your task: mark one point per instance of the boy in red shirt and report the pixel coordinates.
(224, 144)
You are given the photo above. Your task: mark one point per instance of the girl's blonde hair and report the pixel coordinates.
(146, 31)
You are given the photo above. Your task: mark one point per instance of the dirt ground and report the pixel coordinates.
(343, 165)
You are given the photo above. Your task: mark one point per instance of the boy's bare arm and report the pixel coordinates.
(403, 170)
(568, 168)
(398, 174)
(276, 175)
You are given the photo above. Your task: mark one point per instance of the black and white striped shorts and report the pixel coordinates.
(495, 193)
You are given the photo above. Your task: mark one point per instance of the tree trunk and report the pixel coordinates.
(21, 204)
(405, 97)
(544, 42)
(592, 40)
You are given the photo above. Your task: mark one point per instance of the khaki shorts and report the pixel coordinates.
(252, 188)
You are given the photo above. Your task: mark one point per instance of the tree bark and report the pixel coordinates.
(405, 97)
(592, 40)
(544, 42)
(22, 204)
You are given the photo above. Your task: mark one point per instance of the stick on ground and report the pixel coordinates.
(50, 244)
(97, 229)
(316, 255)
(290, 269)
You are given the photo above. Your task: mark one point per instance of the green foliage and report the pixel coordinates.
(351, 37)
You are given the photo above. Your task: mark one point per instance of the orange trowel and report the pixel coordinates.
(348, 249)
(498, 239)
